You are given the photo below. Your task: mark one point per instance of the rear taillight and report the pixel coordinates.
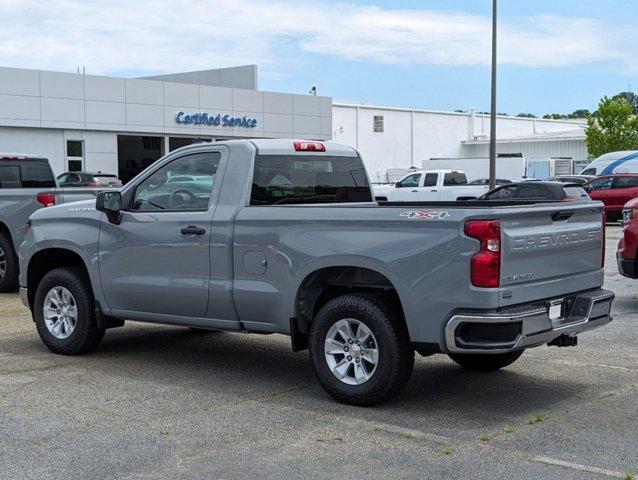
(485, 266)
(302, 146)
(46, 199)
(604, 232)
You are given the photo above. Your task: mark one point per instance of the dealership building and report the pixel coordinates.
(399, 138)
(121, 125)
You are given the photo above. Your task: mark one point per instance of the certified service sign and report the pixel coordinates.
(218, 120)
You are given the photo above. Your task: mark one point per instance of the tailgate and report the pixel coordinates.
(557, 247)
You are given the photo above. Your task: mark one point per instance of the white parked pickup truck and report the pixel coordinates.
(429, 185)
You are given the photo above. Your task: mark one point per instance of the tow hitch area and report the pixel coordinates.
(564, 341)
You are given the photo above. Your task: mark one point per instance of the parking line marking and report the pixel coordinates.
(577, 466)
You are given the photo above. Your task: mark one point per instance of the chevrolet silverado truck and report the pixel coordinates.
(26, 184)
(283, 236)
(430, 185)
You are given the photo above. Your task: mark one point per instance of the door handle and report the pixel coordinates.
(434, 190)
(193, 230)
(557, 216)
(415, 191)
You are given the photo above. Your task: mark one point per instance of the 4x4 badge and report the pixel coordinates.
(427, 215)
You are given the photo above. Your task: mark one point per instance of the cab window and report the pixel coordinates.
(159, 193)
(430, 179)
(454, 178)
(624, 182)
(295, 179)
(598, 184)
(410, 181)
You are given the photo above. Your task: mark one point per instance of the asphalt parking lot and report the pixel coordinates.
(167, 402)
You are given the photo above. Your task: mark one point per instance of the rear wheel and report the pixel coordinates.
(8, 265)
(360, 350)
(485, 362)
(64, 312)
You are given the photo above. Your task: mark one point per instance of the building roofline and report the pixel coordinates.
(449, 112)
(541, 137)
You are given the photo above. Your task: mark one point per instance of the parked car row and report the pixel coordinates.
(27, 184)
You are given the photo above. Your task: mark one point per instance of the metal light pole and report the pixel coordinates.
(493, 101)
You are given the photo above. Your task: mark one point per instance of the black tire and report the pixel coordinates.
(8, 280)
(485, 362)
(396, 355)
(86, 335)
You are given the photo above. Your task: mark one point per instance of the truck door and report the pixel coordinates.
(157, 259)
(407, 189)
(430, 190)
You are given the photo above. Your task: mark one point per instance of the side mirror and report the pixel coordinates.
(398, 184)
(111, 204)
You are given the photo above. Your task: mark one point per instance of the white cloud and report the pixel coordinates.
(179, 35)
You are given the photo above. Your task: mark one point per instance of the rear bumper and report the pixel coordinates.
(627, 267)
(527, 325)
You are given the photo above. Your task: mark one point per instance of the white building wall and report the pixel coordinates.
(48, 143)
(411, 136)
(575, 149)
(100, 148)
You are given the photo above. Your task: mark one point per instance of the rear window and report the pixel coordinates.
(535, 190)
(36, 175)
(290, 179)
(576, 193)
(9, 176)
(26, 174)
(454, 178)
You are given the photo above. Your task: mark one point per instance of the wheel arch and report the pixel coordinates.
(5, 230)
(323, 283)
(47, 259)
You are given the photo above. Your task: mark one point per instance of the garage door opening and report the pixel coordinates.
(135, 153)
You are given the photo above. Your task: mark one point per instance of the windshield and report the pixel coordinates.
(289, 179)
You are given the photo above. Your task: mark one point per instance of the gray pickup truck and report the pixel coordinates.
(283, 236)
(26, 184)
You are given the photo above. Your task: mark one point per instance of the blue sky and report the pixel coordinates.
(555, 56)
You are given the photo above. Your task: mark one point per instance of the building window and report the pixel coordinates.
(74, 155)
(377, 124)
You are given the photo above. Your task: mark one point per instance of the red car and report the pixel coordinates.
(614, 191)
(628, 245)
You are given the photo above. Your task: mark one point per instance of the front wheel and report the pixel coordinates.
(8, 265)
(360, 350)
(64, 312)
(485, 362)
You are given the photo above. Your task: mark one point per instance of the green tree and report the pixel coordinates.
(580, 113)
(614, 128)
(630, 97)
(555, 116)
(526, 115)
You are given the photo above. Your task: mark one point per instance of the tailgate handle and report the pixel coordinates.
(557, 216)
